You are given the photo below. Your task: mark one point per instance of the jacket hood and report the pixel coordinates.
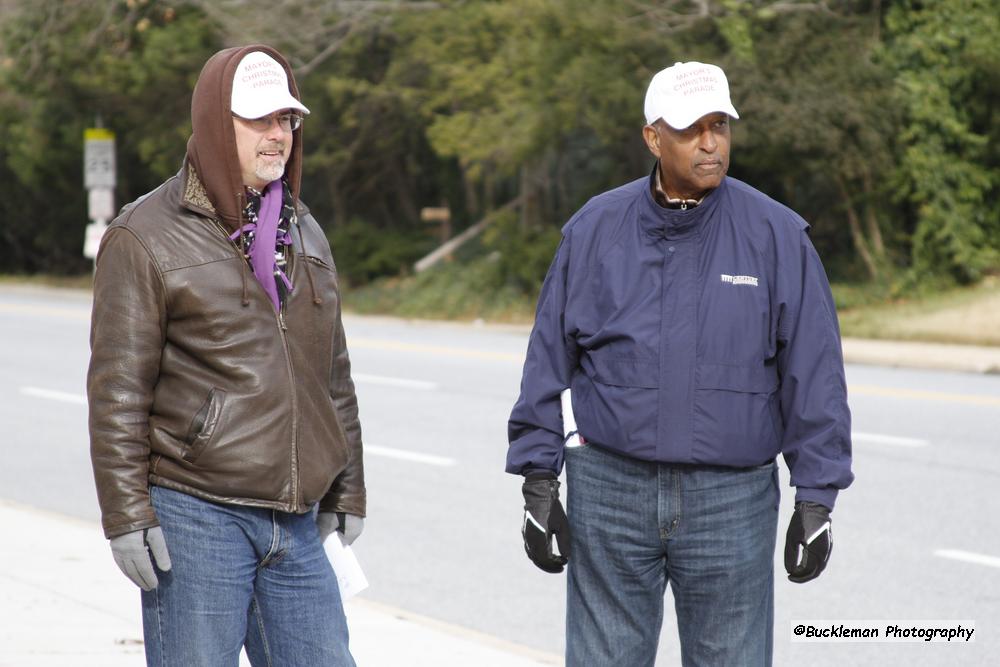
(211, 150)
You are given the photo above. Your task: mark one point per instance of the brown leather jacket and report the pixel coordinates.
(190, 390)
(196, 383)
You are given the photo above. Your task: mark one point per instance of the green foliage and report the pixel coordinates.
(452, 290)
(65, 66)
(511, 86)
(364, 252)
(366, 154)
(520, 257)
(496, 276)
(946, 58)
(817, 129)
(850, 296)
(875, 120)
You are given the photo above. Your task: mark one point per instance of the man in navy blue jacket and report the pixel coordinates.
(691, 320)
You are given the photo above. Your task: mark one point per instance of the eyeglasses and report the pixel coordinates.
(289, 122)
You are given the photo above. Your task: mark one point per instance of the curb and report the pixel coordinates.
(928, 356)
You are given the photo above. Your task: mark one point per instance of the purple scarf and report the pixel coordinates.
(265, 244)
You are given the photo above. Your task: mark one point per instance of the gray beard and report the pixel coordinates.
(269, 172)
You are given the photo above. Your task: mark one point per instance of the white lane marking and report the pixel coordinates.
(79, 399)
(405, 455)
(448, 351)
(64, 396)
(968, 557)
(895, 440)
(47, 311)
(394, 382)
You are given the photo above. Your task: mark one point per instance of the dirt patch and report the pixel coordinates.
(969, 316)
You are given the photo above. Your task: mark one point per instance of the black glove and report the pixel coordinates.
(545, 529)
(808, 543)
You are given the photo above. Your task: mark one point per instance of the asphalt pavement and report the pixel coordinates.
(63, 601)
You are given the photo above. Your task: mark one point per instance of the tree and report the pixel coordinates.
(536, 99)
(820, 125)
(66, 65)
(946, 60)
(874, 119)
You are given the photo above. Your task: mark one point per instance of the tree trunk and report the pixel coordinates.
(489, 191)
(404, 194)
(471, 197)
(855, 226)
(562, 195)
(871, 220)
(528, 195)
(337, 201)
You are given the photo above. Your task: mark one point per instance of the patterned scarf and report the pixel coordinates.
(266, 238)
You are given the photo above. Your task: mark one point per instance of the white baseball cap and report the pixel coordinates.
(260, 87)
(685, 92)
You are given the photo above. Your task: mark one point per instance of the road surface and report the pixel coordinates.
(915, 537)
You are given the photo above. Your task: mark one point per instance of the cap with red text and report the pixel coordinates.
(684, 92)
(260, 87)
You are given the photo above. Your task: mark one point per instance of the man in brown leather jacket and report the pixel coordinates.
(223, 418)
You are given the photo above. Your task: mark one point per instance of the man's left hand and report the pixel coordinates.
(808, 543)
(349, 526)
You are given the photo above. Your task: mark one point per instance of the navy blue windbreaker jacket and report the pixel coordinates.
(699, 336)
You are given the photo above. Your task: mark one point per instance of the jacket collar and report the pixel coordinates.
(195, 196)
(659, 222)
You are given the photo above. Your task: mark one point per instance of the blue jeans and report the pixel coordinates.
(635, 525)
(242, 576)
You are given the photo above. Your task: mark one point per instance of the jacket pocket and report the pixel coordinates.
(204, 424)
(623, 371)
(749, 379)
(734, 414)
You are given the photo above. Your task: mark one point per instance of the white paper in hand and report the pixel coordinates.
(571, 437)
(350, 577)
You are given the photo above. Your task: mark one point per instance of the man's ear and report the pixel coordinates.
(652, 138)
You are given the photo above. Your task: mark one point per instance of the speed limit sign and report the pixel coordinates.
(98, 158)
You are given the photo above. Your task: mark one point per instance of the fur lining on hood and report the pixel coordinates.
(212, 146)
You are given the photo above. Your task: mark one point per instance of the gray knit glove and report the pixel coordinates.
(132, 554)
(349, 525)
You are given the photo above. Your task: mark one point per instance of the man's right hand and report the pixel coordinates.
(546, 528)
(132, 554)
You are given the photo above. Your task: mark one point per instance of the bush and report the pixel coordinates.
(522, 256)
(364, 252)
(463, 290)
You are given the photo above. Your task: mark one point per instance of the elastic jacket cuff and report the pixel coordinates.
(824, 497)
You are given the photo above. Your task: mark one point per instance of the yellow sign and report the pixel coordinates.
(97, 133)
(98, 158)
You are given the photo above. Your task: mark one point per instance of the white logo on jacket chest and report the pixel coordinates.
(739, 280)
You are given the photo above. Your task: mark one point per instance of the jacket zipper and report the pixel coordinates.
(282, 328)
(281, 310)
(295, 398)
(293, 504)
